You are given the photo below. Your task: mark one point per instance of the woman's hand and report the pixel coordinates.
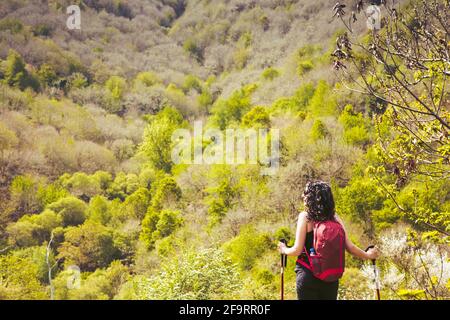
(281, 247)
(373, 253)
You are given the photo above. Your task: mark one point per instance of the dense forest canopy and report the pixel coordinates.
(92, 205)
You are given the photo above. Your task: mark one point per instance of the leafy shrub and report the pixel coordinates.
(158, 225)
(226, 112)
(304, 67)
(19, 279)
(71, 210)
(256, 117)
(355, 129)
(16, 75)
(89, 246)
(103, 284)
(99, 210)
(203, 274)
(191, 47)
(270, 74)
(11, 24)
(157, 139)
(318, 130)
(33, 230)
(146, 79)
(247, 247)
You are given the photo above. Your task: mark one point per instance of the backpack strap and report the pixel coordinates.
(303, 263)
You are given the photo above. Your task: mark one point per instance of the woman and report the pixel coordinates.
(319, 207)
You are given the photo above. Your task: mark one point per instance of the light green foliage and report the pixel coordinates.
(421, 203)
(205, 99)
(82, 185)
(18, 279)
(200, 274)
(157, 139)
(323, 102)
(99, 210)
(23, 191)
(89, 246)
(136, 204)
(257, 117)
(305, 58)
(284, 233)
(270, 74)
(123, 185)
(8, 139)
(304, 94)
(192, 82)
(35, 229)
(47, 74)
(71, 210)
(50, 193)
(318, 130)
(146, 79)
(77, 81)
(103, 284)
(167, 193)
(355, 127)
(221, 196)
(116, 87)
(247, 247)
(37, 256)
(359, 199)
(231, 110)
(158, 225)
(304, 67)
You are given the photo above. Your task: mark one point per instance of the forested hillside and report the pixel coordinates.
(92, 205)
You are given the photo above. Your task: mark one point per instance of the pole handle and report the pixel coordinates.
(367, 249)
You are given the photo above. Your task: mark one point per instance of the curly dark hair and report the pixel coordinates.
(319, 202)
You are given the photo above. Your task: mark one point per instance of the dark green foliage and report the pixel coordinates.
(71, 210)
(89, 246)
(16, 75)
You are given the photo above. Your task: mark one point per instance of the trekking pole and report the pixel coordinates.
(375, 273)
(283, 265)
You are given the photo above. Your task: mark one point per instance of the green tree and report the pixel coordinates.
(71, 210)
(158, 225)
(16, 75)
(99, 210)
(89, 246)
(323, 102)
(32, 230)
(47, 74)
(318, 130)
(157, 141)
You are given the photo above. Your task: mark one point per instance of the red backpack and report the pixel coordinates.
(328, 262)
